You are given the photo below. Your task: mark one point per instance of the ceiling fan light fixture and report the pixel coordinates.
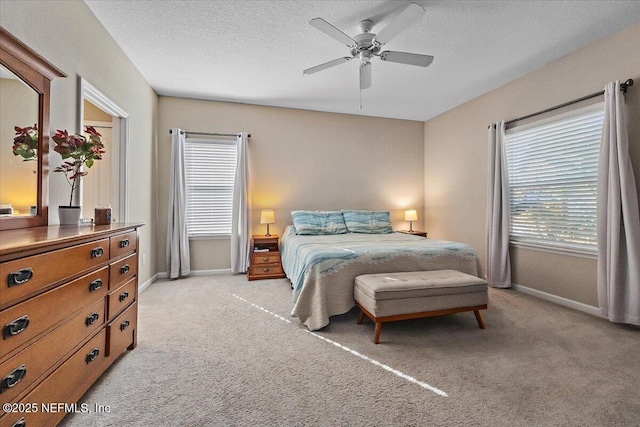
(365, 75)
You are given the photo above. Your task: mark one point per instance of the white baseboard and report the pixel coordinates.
(165, 275)
(148, 283)
(595, 311)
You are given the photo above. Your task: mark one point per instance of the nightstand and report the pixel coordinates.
(414, 233)
(265, 258)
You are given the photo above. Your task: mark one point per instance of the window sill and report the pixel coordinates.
(211, 237)
(582, 253)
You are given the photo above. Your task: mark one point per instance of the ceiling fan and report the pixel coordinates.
(367, 45)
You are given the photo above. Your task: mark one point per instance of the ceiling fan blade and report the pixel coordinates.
(327, 65)
(406, 58)
(407, 17)
(365, 75)
(332, 31)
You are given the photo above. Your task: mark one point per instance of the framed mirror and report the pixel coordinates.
(25, 79)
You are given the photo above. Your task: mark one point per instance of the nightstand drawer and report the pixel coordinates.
(265, 258)
(266, 269)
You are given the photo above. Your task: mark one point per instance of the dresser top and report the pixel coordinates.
(28, 239)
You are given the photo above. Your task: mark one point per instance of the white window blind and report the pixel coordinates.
(210, 168)
(553, 169)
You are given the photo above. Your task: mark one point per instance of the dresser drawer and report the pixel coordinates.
(30, 364)
(122, 297)
(257, 270)
(123, 270)
(265, 258)
(26, 320)
(123, 244)
(25, 276)
(66, 384)
(121, 331)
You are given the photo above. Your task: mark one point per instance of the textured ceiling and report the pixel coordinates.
(254, 51)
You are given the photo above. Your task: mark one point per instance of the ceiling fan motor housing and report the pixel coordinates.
(364, 41)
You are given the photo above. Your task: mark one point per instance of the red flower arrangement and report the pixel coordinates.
(81, 150)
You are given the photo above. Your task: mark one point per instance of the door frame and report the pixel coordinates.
(89, 92)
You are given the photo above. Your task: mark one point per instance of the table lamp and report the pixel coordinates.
(267, 216)
(410, 215)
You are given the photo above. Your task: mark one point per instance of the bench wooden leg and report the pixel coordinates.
(479, 319)
(361, 317)
(378, 332)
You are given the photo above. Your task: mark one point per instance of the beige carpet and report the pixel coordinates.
(208, 358)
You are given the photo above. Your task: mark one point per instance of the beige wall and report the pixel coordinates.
(456, 156)
(82, 47)
(301, 160)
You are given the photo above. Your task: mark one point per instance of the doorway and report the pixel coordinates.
(106, 184)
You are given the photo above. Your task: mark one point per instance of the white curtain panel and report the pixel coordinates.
(241, 212)
(178, 259)
(498, 262)
(618, 217)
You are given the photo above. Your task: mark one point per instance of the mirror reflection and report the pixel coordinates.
(19, 108)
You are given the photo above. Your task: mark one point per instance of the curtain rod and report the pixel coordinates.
(209, 133)
(623, 88)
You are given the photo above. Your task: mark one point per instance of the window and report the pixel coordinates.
(210, 168)
(553, 169)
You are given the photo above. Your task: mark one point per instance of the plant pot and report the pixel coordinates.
(69, 215)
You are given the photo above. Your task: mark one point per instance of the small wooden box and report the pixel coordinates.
(103, 216)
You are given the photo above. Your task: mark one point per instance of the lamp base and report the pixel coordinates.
(267, 235)
(410, 226)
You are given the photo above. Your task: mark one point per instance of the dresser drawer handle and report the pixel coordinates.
(124, 269)
(124, 243)
(95, 285)
(19, 277)
(95, 253)
(123, 296)
(92, 355)
(266, 270)
(20, 423)
(93, 318)
(13, 378)
(15, 327)
(124, 325)
(266, 259)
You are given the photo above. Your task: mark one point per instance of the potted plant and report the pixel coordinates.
(77, 151)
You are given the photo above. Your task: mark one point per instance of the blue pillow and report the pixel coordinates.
(318, 222)
(371, 222)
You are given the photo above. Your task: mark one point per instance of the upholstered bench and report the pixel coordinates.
(411, 295)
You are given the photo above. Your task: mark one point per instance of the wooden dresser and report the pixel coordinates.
(68, 310)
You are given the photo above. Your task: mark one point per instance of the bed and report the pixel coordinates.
(322, 268)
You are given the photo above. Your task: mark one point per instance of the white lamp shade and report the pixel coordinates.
(267, 216)
(410, 215)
